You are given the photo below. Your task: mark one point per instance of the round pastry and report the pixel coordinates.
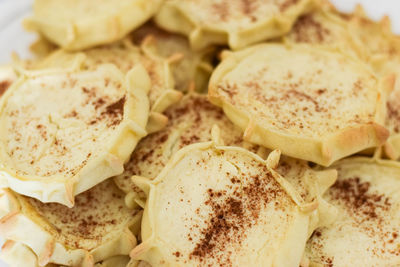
(366, 231)
(76, 25)
(190, 121)
(98, 227)
(311, 102)
(219, 205)
(62, 133)
(235, 23)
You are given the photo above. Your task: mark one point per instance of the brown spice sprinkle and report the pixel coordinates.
(197, 112)
(233, 214)
(287, 4)
(364, 205)
(393, 115)
(245, 7)
(4, 86)
(96, 212)
(291, 105)
(369, 212)
(308, 30)
(112, 113)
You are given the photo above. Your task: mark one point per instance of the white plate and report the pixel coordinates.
(14, 39)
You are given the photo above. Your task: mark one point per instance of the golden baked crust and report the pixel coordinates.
(366, 231)
(234, 210)
(98, 227)
(190, 121)
(191, 69)
(74, 130)
(235, 23)
(302, 108)
(76, 25)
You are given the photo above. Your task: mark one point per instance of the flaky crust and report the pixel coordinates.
(66, 23)
(37, 236)
(131, 129)
(183, 17)
(155, 249)
(323, 149)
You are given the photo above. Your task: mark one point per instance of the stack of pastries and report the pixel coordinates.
(201, 133)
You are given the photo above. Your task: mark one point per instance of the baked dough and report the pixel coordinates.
(7, 78)
(236, 23)
(219, 205)
(287, 97)
(191, 69)
(324, 26)
(125, 56)
(162, 93)
(366, 231)
(62, 133)
(76, 25)
(190, 121)
(116, 261)
(358, 36)
(383, 48)
(392, 146)
(42, 47)
(98, 227)
(16, 254)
